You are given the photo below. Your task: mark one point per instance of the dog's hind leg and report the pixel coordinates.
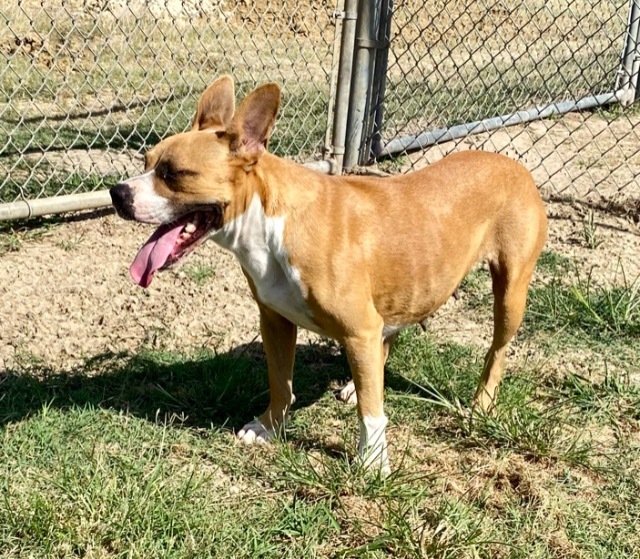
(510, 288)
(388, 344)
(347, 394)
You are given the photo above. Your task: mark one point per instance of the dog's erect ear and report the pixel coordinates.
(216, 106)
(251, 126)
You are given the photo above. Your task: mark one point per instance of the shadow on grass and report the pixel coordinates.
(197, 391)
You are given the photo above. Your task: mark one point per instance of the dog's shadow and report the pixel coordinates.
(225, 389)
(222, 390)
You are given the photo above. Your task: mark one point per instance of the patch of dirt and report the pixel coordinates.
(301, 18)
(66, 295)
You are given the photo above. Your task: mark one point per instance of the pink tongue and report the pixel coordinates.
(154, 253)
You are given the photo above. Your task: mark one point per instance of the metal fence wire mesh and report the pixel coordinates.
(455, 66)
(86, 86)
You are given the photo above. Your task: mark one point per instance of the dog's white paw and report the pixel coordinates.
(376, 462)
(255, 432)
(372, 447)
(347, 394)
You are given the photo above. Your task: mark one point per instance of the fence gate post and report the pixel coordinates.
(371, 38)
(343, 82)
(630, 70)
(373, 142)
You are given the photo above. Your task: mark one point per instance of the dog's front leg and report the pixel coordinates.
(347, 393)
(279, 340)
(366, 356)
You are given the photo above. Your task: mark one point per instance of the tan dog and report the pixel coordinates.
(352, 258)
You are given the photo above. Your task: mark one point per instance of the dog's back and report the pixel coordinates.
(411, 239)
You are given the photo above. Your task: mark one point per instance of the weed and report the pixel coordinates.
(199, 273)
(476, 288)
(589, 231)
(71, 244)
(517, 423)
(14, 234)
(614, 111)
(614, 396)
(9, 242)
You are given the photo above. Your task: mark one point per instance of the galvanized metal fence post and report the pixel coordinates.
(343, 85)
(630, 70)
(362, 77)
(374, 144)
(368, 81)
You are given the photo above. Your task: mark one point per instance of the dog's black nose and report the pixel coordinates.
(121, 194)
(122, 199)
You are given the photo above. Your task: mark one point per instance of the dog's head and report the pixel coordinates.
(190, 179)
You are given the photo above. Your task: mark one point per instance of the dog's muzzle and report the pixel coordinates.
(122, 199)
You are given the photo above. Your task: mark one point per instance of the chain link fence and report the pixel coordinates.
(550, 83)
(88, 85)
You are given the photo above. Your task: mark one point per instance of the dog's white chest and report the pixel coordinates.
(257, 242)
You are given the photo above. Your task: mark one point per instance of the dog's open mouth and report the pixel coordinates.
(171, 242)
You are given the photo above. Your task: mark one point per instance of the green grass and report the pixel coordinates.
(132, 455)
(444, 378)
(199, 273)
(476, 288)
(590, 233)
(584, 309)
(553, 263)
(462, 93)
(615, 111)
(569, 302)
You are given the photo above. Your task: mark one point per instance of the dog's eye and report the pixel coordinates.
(168, 173)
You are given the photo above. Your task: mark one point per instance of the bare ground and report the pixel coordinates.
(65, 294)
